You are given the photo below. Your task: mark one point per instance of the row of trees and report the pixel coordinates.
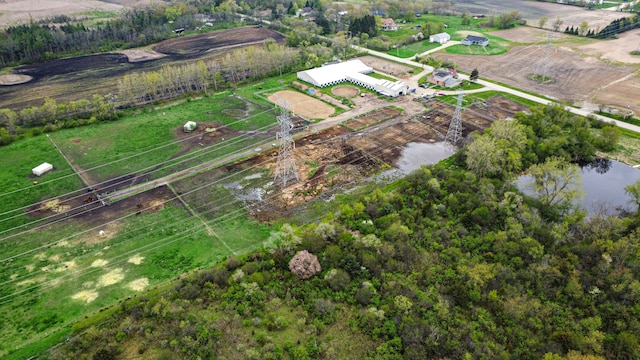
(39, 41)
(51, 116)
(236, 67)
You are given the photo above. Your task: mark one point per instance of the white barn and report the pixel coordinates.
(440, 38)
(353, 71)
(42, 169)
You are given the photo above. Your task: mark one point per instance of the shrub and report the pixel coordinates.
(304, 265)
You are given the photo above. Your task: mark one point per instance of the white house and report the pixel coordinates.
(440, 38)
(190, 126)
(41, 169)
(475, 40)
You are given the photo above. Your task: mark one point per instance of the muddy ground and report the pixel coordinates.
(71, 79)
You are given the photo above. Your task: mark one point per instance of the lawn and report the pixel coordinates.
(17, 182)
(64, 271)
(416, 48)
(497, 45)
(150, 136)
(56, 276)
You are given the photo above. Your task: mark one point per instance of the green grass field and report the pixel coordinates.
(62, 272)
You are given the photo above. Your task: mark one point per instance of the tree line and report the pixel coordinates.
(236, 67)
(52, 116)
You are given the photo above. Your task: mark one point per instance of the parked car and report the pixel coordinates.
(424, 86)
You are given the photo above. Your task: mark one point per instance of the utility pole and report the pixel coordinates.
(455, 127)
(543, 64)
(286, 171)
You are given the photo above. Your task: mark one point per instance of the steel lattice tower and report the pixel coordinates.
(286, 171)
(543, 64)
(455, 128)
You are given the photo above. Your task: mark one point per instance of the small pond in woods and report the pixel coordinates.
(603, 183)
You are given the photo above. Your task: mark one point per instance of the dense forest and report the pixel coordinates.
(452, 261)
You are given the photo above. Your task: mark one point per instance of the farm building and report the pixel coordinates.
(42, 169)
(440, 38)
(389, 25)
(353, 71)
(190, 126)
(475, 40)
(444, 77)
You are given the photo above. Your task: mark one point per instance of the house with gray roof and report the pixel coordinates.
(475, 40)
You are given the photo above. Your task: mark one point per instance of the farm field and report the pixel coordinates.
(582, 78)
(81, 77)
(532, 11)
(19, 11)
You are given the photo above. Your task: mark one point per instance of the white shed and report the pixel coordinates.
(42, 168)
(440, 38)
(190, 126)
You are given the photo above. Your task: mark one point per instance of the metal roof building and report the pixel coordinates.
(353, 71)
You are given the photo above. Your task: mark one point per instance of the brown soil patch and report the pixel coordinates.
(14, 79)
(194, 45)
(67, 265)
(85, 295)
(532, 11)
(302, 104)
(112, 277)
(136, 259)
(137, 55)
(139, 284)
(345, 91)
(205, 134)
(54, 205)
(580, 78)
(528, 35)
(616, 50)
(386, 66)
(20, 11)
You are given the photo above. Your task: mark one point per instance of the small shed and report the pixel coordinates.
(42, 169)
(440, 38)
(190, 126)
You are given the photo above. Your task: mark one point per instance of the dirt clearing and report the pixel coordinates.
(136, 259)
(302, 104)
(85, 295)
(385, 66)
(138, 284)
(616, 50)
(112, 277)
(532, 11)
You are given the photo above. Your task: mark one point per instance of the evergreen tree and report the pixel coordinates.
(474, 75)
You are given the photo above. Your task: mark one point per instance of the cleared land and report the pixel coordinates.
(302, 104)
(581, 77)
(80, 77)
(532, 11)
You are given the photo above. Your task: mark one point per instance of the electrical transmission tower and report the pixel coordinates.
(286, 171)
(542, 68)
(455, 128)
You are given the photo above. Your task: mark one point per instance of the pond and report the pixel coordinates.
(603, 183)
(416, 154)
